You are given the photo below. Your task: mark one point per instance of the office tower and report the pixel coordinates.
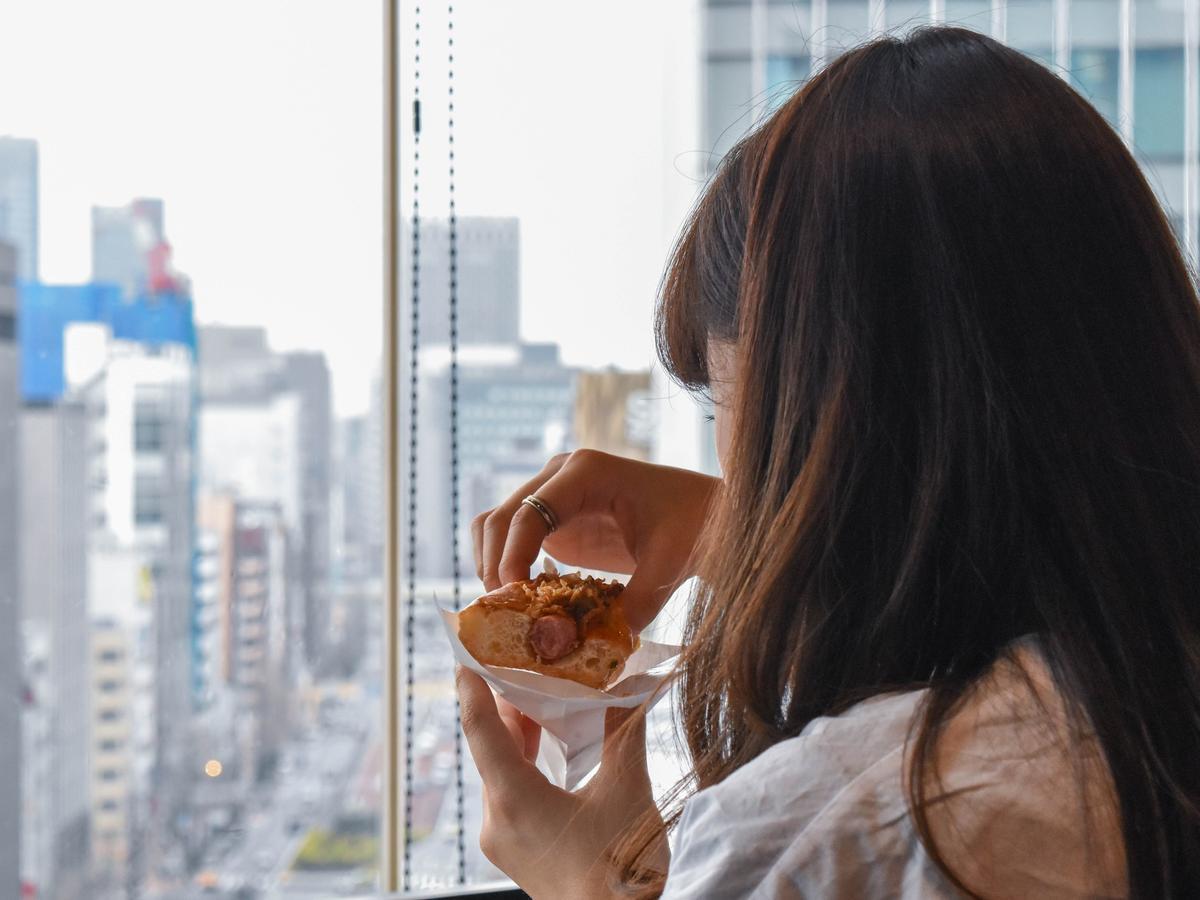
(488, 254)
(130, 249)
(53, 592)
(757, 53)
(244, 384)
(141, 411)
(10, 651)
(515, 409)
(19, 202)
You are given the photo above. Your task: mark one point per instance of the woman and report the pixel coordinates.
(946, 637)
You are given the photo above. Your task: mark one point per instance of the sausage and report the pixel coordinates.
(553, 637)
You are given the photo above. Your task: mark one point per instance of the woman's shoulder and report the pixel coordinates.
(826, 813)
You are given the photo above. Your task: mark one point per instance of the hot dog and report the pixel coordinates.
(569, 626)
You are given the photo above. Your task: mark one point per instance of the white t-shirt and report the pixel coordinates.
(826, 814)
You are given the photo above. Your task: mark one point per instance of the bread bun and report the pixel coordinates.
(496, 628)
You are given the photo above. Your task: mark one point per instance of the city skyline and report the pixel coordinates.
(261, 165)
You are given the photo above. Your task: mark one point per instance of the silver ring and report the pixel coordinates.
(547, 514)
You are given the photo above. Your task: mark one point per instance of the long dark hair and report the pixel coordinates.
(968, 410)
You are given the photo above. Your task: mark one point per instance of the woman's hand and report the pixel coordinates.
(551, 842)
(614, 514)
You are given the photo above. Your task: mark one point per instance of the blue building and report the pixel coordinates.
(47, 310)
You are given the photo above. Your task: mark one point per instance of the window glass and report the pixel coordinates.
(785, 74)
(1158, 102)
(1094, 74)
(190, 265)
(191, 388)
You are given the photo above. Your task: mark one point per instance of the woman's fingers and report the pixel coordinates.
(501, 762)
(527, 529)
(496, 524)
(477, 541)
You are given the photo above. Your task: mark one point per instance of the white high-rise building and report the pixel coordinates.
(140, 474)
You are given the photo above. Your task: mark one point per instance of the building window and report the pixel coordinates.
(149, 429)
(785, 74)
(1094, 74)
(109, 686)
(110, 715)
(109, 775)
(8, 327)
(110, 746)
(110, 805)
(147, 501)
(110, 656)
(1158, 102)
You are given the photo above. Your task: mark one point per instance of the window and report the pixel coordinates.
(1158, 102)
(148, 501)
(207, 361)
(148, 428)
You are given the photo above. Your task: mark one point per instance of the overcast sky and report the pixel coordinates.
(259, 124)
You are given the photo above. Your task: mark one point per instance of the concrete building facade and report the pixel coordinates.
(53, 590)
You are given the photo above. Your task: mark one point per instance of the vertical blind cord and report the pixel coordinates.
(454, 474)
(413, 374)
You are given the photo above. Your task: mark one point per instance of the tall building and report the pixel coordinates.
(10, 651)
(141, 418)
(266, 433)
(756, 53)
(19, 202)
(488, 274)
(53, 591)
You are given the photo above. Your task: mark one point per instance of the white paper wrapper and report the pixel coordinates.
(571, 714)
